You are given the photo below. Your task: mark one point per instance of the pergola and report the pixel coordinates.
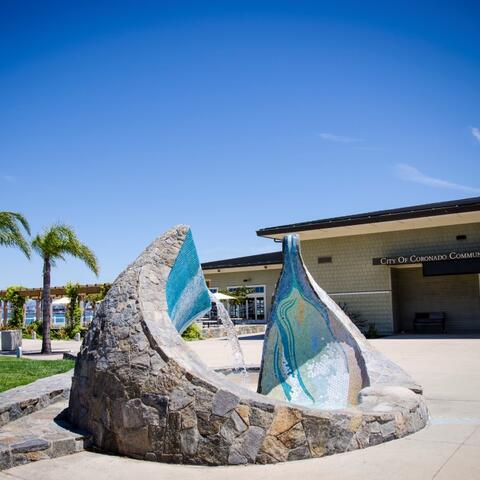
(55, 292)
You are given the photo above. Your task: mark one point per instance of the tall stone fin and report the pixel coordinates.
(309, 357)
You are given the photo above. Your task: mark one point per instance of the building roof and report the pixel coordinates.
(271, 258)
(396, 214)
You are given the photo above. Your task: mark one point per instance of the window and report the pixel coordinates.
(254, 307)
(58, 315)
(260, 307)
(30, 312)
(324, 260)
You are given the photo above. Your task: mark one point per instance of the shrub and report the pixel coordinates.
(193, 332)
(35, 326)
(73, 314)
(58, 334)
(372, 331)
(71, 332)
(17, 302)
(356, 318)
(94, 298)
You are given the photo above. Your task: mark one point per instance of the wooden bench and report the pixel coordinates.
(428, 319)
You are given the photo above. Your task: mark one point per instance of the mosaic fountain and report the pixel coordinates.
(141, 392)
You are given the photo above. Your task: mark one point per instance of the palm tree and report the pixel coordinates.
(11, 224)
(53, 244)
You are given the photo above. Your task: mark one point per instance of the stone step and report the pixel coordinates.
(26, 399)
(41, 435)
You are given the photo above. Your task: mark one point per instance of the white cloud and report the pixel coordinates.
(412, 174)
(476, 133)
(330, 137)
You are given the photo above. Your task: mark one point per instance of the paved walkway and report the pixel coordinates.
(449, 448)
(32, 348)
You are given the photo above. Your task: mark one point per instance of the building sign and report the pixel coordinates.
(433, 257)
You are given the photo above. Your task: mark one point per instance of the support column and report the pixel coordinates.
(5, 313)
(81, 305)
(38, 310)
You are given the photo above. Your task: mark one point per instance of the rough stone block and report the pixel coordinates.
(223, 402)
(285, 418)
(250, 442)
(189, 441)
(5, 457)
(294, 437)
(31, 445)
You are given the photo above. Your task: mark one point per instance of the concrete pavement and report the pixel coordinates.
(31, 349)
(449, 370)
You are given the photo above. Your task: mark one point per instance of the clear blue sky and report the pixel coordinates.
(125, 118)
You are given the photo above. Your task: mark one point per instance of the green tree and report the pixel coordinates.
(94, 298)
(54, 244)
(17, 301)
(240, 295)
(11, 235)
(73, 313)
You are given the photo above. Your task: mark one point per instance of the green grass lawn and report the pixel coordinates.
(20, 371)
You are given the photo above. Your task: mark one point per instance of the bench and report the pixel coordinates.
(210, 323)
(428, 319)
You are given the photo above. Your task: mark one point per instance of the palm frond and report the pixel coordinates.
(60, 240)
(10, 232)
(22, 220)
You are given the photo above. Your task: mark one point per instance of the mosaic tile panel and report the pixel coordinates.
(187, 293)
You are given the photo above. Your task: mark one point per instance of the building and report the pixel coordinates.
(386, 266)
(259, 273)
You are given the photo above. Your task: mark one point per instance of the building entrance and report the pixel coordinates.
(457, 296)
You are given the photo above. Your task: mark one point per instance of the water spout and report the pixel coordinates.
(238, 358)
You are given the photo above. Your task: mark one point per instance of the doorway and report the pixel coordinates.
(456, 295)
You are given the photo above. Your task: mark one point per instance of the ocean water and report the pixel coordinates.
(58, 318)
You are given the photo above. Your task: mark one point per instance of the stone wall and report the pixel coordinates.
(220, 331)
(142, 392)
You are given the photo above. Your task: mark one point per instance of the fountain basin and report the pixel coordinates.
(141, 392)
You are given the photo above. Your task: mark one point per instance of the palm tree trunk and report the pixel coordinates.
(46, 343)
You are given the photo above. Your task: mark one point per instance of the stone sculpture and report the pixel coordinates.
(140, 391)
(313, 353)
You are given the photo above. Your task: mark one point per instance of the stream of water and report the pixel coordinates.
(238, 358)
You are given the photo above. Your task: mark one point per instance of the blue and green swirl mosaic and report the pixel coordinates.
(187, 293)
